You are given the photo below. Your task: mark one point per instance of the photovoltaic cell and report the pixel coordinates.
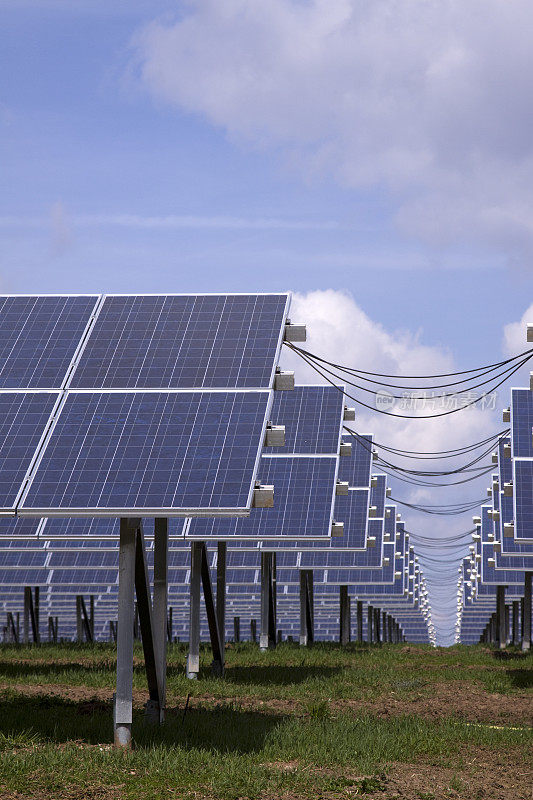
(356, 470)
(312, 416)
(303, 502)
(522, 422)
(523, 496)
(39, 337)
(214, 341)
(158, 450)
(23, 420)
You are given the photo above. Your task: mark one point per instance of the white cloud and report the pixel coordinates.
(430, 100)
(514, 334)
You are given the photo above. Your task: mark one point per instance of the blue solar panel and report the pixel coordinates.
(303, 502)
(505, 463)
(377, 494)
(522, 422)
(312, 417)
(72, 530)
(356, 470)
(39, 337)
(215, 341)
(23, 420)
(523, 496)
(159, 450)
(13, 527)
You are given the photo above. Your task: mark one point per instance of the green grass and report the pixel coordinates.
(289, 672)
(302, 743)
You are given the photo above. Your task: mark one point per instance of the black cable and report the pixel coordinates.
(403, 416)
(507, 374)
(414, 377)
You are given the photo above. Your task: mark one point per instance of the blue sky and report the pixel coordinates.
(168, 146)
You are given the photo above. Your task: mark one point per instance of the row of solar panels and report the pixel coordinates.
(502, 551)
(173, 406)
(373, 556)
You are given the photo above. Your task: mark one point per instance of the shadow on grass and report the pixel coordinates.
(16, 669)
(283, 676)
(223, 728)
(521, 678)
(509, 655)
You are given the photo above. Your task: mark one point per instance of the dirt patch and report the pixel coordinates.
(481, 775)
(461, 700)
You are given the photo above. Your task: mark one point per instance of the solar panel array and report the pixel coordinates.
(158, 406)
(502, 550)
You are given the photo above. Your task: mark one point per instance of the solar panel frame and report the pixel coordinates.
(79, 382)
(15, 478)
(71, 351)
(25, 508)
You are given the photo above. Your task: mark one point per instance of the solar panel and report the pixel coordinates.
(312, 416)
(304, 495)
(356, 470)
(523, 498)
(12, 527)
(39, 337)
(150, 452)
(522, 422)
(181, 341)
(24, 417)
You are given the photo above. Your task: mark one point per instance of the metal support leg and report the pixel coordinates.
(146, 622)
(303, 608)
(515, 627)
(217, 665)
(91, 616)
(500, 616)
(236, 629)
(526, 638)
(79, 628)
(266, 588)
(193, 658)
(126, 585)
(344, 616)
(221, 590)
(35, 617)
(159, 609)
(370, 625)
(384, 626)
(253, 630)
(27, 602)
(359, 621)
(377, 626)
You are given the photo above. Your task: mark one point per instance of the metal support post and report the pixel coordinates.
(526, 638)
(253, 630)
(390, 623)
(159, 609)
(217, 665)
(79, 628)
(515, 626)
(267, 636)
(169, 624)
(377, 626)
(359, 620)
(384, 626)
(306, 607)
(193, 657)
(370, 625)
(236, 629)
(344, 632)
(27, 602)
(221, 590)
(500, 616)
(126, 585)
(507, 624)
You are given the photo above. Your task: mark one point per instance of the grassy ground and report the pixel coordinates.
(391, 722)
